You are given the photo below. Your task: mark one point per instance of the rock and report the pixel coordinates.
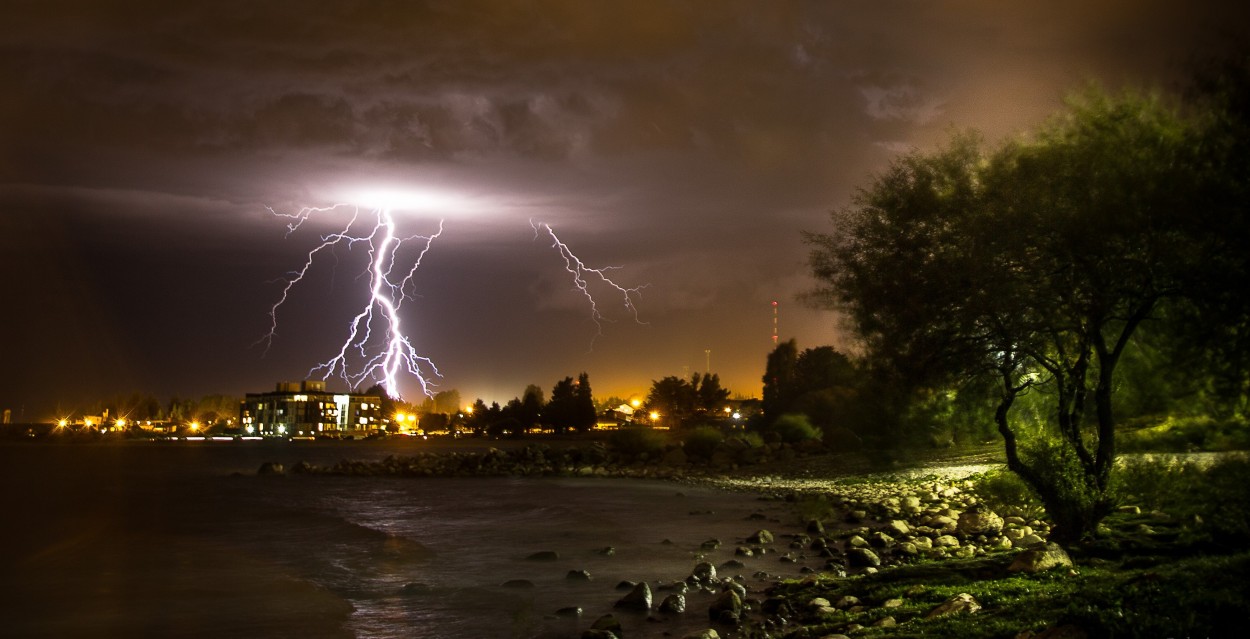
(571, 611)
(818, 602)
(1041, 559)
(271, 468)
(860, 557)
(578, 575)
(880, 540)
(946, 541)
(518, 584)
(898, 528)
(857, 542)
(638, 599)
(760, 537)
(599, 634)
(544, 555)
(709, 545)
(943, 523)
(608, 623)
(732, 564)
(607, 551)
(885, 622)
(673, 603)
(907, 548)
(1031, 540)
(744, 551)
(963, 603)
(1018, 533)
(727, 608)
(847, 601)
(704, 572)
(815, 527)
(706, 634)
(979, 522)
(923, 543)
(675, 457)
(626, 585)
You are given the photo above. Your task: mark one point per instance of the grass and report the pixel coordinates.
(1186, 596)
(1178, 568)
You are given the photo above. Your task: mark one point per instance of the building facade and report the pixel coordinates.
(306, 409)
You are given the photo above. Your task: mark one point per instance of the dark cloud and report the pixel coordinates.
(688, 142)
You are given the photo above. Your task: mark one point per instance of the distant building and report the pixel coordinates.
(306, 409)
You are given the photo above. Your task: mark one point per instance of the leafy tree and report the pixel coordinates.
(779, 378)
(709, 396)
(571, 405)
(673, 398)
(1035, 266)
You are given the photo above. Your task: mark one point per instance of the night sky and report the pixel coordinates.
(143, 146)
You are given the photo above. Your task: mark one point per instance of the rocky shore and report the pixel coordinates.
(842, 529)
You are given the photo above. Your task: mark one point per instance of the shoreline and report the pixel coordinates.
(856, 523)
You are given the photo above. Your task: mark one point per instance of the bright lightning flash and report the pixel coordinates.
(376, 347)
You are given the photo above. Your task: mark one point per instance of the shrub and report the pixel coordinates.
(1005, 493)
(700, 442)
(794, 428)
(637, 440)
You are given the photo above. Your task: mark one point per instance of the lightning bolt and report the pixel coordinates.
(376, 347)
(582, 273)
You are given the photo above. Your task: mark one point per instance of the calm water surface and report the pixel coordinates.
(155, 539)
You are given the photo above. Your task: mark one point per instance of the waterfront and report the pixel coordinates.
(184, 539)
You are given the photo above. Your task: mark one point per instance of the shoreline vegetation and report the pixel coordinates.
(942, 543)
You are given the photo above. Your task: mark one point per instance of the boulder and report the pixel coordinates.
(861, 557)
(638, 599)
(979, 522)
(703, 572)
(607, 623)
(271, 468)
(898, 528)
(674, 603)
(727, 608)
(544, 555)
(946, 541)
(1041, 559)
(571, 611)
(706, 634)
(960, 604)
(578, 575)
(760, 537)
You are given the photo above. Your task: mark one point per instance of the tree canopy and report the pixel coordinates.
(1035, 264)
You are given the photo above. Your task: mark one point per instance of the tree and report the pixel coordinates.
(1034, 265)
(709, 395)
(571, 405)
(672, 398)
(779, 377)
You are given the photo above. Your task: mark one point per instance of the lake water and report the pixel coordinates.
(183, 539)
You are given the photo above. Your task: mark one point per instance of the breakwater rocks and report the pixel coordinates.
(538, 460)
